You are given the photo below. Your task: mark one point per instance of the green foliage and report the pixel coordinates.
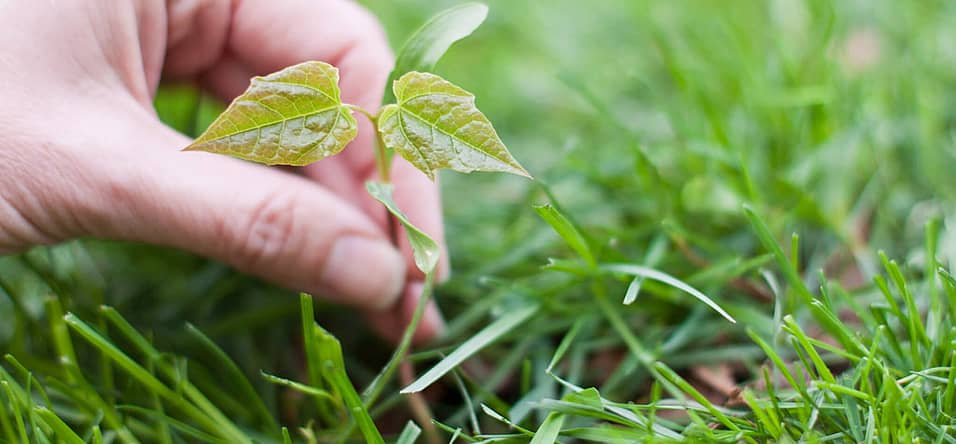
(296, 117)
(663, 119)
(292, 117)
(486, 336)
(429, 43)
(435, 125)
(425, 248)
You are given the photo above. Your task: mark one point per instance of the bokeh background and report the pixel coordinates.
(649, 124)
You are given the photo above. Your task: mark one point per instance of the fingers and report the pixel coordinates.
(346, 35)
(390, 324)
(264, 37)
(263, 221)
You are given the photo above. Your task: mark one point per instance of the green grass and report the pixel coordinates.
(749, 150)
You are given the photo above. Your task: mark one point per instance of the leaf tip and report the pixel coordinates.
(523, 172)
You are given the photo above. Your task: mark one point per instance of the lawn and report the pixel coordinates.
(792, 163)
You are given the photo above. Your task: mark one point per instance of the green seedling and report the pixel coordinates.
(296, 117)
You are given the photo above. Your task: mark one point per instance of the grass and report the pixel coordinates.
(790, 161)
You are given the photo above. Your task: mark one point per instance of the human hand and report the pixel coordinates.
(83, 153)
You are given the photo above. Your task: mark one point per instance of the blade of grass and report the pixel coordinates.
(486, 336)
(568, 232)
(286, 439)
(374, 389)
(333, 366)
(63, 432)
(648, 273)
(234, 374)
(182, 427)
(17, 414)
(783, 262)
(307, 389)
(675, 379)
(5, 415)
(312, 359)
(409, 434)
(74, 375)
(565, 343)
(549, 430)
(214, 423)
(426, 45)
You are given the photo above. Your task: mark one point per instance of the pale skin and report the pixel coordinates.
(83, 153)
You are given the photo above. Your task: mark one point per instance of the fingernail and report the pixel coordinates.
(364, 272)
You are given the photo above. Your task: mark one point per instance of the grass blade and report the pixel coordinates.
(334, 365)
(549, 430)
(233, 373)
(375, 388)
(567, 231)
(409, 434)
(307, 389)
(216, 424)
(649, 273)
(312, 359)
(63, 432)
(486, 336)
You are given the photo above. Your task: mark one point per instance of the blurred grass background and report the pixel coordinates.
(649, 124)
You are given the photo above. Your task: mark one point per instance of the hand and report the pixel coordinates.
(83, 153)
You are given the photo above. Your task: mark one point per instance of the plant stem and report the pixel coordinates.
(382, 162)
(375, 388)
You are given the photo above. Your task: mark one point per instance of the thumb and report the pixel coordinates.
(263, 221)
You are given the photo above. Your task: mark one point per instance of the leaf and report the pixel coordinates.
(649, 273)
(436, 124)
(633, 289)
(567, 231)
(481, 339)
(333, 365)
(549, 430)
(425, 249)
(409, 434)
(291, 117)
(430, 42)
(589, 397)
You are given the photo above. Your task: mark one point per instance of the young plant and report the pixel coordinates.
(296, 117)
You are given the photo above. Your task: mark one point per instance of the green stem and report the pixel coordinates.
(374, 389)
(382, 162)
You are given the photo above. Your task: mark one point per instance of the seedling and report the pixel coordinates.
(296, 117)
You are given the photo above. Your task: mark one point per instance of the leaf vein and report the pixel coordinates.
(303, 85)
(315, 146)
(463, 141)
(263, 125)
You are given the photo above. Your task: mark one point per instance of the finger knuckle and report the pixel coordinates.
(269, 231)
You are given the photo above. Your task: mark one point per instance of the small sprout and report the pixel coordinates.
(296, 117)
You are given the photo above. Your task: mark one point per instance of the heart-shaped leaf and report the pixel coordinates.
(291, 117)
(425, 249)
(436, 124)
